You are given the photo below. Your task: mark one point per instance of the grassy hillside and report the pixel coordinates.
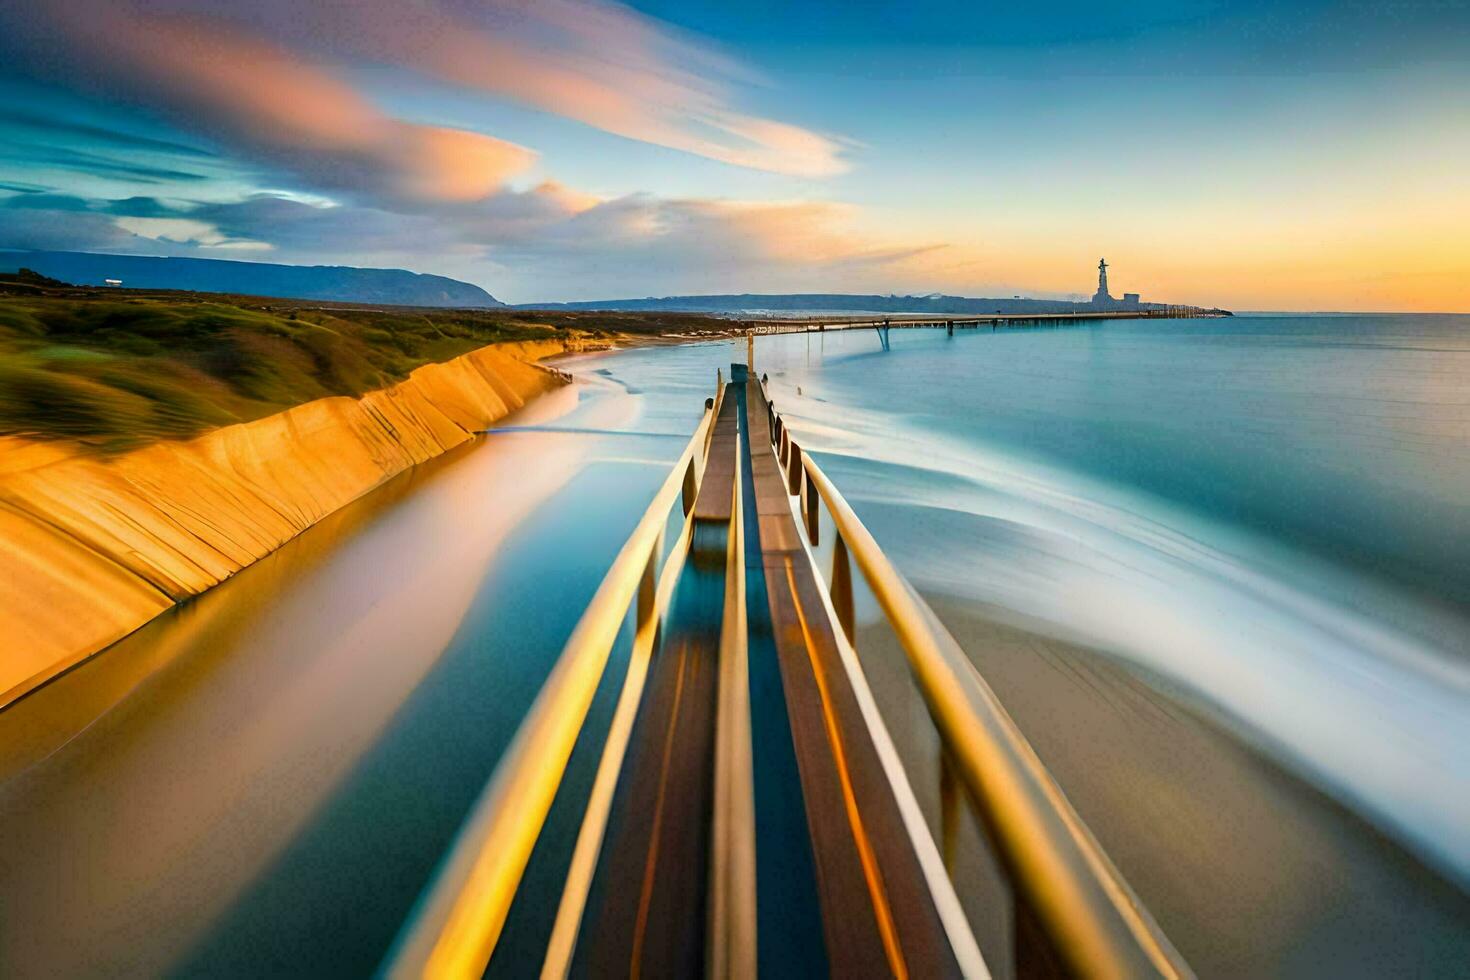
(118, 369)
(118, 373)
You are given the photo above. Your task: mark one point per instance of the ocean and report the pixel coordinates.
(1215, 569)
(1256, 529)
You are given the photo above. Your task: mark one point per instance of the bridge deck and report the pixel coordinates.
(961, 321)
(749, 813)
(648, 909)
(877, 912)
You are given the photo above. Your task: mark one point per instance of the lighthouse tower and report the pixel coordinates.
(1101, 296)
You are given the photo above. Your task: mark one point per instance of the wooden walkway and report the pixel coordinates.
(649, 914)
(649, 911)
(749, 814)
(878, 914)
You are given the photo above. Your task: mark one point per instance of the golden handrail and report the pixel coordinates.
(731, 933)
(456, 923)
(1094, 921)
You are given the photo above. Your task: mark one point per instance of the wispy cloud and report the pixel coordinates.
(259, 96)
(273, 82)
(85, 162)
(187, 231)
(527, 244)
(268, 78)
(596, 62)
(45, 127)
(65, 230)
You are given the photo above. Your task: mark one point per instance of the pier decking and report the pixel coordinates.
(749, 813)
(951, 323)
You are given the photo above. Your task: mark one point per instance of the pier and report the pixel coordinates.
(882, 325)
(749, 812)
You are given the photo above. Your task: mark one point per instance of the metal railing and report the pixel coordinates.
(456, 923)
(1074, 910)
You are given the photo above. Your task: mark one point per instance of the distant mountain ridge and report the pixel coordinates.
(332, 283)
(835, 302)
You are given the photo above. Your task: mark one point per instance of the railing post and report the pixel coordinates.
(1074, 914)
(793, 468)
(647, 583)
(1035, 955)
(691, 488)
(842, 588)
(949, 810)
(809, 506)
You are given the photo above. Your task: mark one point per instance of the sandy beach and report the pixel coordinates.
(1250, 871)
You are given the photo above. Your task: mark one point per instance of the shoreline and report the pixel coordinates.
(204, 752)
(102, 546)
(1244, 865)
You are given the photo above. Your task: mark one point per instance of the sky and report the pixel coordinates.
(1250, 155)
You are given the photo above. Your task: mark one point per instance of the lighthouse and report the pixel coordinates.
(1102, 297)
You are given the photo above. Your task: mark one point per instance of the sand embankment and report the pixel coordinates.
(96, 546)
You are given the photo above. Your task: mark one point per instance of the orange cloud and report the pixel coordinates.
(597, 63)
(642, 244)
(451, 164)
(609, 68)
(246, 90)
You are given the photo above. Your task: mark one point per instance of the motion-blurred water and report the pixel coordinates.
(1271, 512)
(1274, 512)
(1265, 518)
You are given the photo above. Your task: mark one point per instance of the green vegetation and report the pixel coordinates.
(117, 368)
(116, 371)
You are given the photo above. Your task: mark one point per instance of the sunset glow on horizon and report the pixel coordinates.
(1251, 156)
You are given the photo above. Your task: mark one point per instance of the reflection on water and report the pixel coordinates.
(333, 899)
(155, 787)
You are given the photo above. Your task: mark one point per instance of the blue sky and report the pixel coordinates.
(1251, 155)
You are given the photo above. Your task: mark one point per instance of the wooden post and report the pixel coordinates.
(691, 488)
(646, 584)
(949, 810)
(810, 508)
(842, 588)
(1035, 955)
